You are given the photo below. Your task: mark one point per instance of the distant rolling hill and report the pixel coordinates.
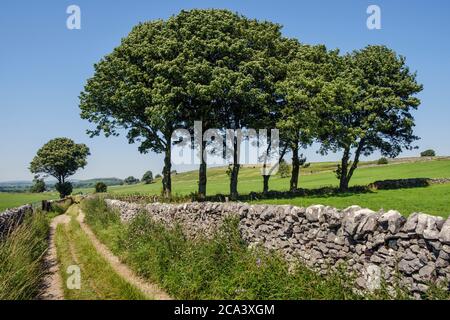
(23, 186)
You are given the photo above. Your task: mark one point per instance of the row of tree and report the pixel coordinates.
(232, 72)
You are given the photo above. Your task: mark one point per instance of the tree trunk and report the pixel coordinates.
(295, 168)
(167, 179)
(343, 183)
(61, 187)
(234, 182)
(202, 179)
(266, 183)
(355, 161)
(235, 170)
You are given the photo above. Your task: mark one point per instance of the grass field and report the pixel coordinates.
(432, 200)
(12, 200)
(251, 180)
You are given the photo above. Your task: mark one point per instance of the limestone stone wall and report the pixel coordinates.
(377, 246)
(12, 218)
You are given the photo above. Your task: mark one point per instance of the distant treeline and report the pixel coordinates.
(24, 186)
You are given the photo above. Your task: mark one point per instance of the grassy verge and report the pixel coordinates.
(98, 279)
(221, 268)
(21, 256)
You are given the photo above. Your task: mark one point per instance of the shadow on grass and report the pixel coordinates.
(323, 192)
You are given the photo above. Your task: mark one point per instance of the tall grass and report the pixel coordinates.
(21, 254)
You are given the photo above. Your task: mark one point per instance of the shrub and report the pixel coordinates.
(382, 161)
(38, 186)
(65, 189)
(428, 153)
(284, 170)
(21, 253)
(61, 207)
(100, 187)
(148, 177)
(158, 176)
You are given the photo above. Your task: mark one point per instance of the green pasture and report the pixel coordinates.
(12, 200)
(433, 200)
(318, 175)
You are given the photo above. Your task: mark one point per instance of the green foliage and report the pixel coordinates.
(131, 180)
(284, 170)
(382, 161)
(61, 207)
(65, 189)
(428, 153)
(147, 178)
(21, 253)
(366, 106)
(60, 158)
(211, 65)
(38, 186)
(101, 187)
(90, 183)
(158, 176)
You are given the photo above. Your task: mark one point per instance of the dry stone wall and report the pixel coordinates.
(12, 218)
(377, 246)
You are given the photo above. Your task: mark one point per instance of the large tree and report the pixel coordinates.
(60, 158)
(367, 107)
(135, 88)
(308, 68)
(246, 88)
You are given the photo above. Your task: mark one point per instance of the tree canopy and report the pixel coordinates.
(60, 158)
(366, 107)
(210, 65)
(147, 178)
(232, 72)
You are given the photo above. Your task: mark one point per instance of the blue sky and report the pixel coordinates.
(44, 66)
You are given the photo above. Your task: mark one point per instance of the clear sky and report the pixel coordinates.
(44, 66)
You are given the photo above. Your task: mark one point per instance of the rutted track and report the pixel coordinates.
(120, 268)
(53, 282)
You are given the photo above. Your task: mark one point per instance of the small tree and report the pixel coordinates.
(38, 186)
(131, 180)
(147, 178)
(382, 161)
(428, 153)
(158, 176)
(60, 158)
(284, 170)
(101, 187)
